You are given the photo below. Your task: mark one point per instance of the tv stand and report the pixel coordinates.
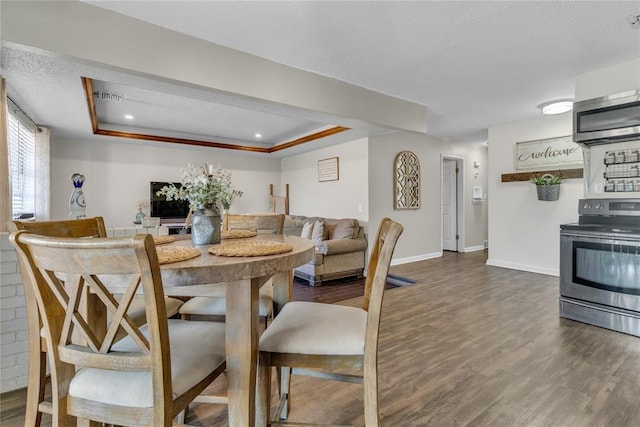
(175, 226)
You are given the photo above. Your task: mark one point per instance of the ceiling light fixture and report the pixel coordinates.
(128, 116)
(258, 135)
(558, 106)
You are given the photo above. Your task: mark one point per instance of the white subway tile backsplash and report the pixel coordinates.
(13, 326)
(11, 279)
(8, 291)
(14, 349)
(13, 372)
(11, 302)
(5, 244)
(8, 255)
(8, 267)
(13, 384)
(8, 362)
(9, 314)
(7, 337)
(13, 322)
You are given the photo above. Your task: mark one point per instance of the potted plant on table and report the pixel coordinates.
(203, 187)
(547, 186)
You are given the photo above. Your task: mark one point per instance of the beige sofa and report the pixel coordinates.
(340, 248)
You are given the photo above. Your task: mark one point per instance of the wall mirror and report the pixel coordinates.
(406, 175)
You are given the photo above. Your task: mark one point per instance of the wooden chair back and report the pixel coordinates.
(262, 223)
(80, 262)
(85, 227)
(329, 365)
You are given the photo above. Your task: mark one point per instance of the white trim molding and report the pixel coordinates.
(416, 258)
(524, 267)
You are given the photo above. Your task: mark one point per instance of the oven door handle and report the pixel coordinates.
(598, 236)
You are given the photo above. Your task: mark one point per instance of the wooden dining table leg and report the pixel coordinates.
(242, 329)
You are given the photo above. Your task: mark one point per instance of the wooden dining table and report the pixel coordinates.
(239, 278)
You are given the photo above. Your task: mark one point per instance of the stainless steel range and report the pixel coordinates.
(600, 265)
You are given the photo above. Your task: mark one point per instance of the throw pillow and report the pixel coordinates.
(307, 229)
(344, 229)
(319, 232)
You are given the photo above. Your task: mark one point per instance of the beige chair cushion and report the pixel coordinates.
(315, 328)
(137, 309)
(217, 306)
(197, 348)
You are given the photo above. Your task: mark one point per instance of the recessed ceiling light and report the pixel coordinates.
(258, 135)
(128, 116)
(557, 107)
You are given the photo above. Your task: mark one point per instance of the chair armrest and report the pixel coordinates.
(341, 246)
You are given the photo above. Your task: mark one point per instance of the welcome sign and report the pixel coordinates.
(546, 153)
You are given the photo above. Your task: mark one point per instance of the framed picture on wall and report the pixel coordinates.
(328, 169)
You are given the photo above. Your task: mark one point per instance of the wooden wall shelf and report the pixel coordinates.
(526, 176)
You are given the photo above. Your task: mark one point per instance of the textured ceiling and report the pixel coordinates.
(474, 64)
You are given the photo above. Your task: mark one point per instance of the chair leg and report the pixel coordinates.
(284, 390)
(370, 383)
(37, 376)
(263, 392)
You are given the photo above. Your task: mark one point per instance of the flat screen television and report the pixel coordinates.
(167, 210)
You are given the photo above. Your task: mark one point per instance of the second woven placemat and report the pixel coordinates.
(237, 234)
(169, 254)
(243, 248)
(163, 240)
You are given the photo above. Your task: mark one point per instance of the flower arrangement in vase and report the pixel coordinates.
(203, 187)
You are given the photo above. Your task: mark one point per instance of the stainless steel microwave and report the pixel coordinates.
(611, 118)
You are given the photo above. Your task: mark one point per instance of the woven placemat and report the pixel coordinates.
(237, 234)
(169, 254)
(163, 240)
(259, 248)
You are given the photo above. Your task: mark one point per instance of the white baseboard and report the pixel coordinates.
(524, 267)
(423, 257)
(475, 248)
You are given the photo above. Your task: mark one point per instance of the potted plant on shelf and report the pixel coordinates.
(547, 186)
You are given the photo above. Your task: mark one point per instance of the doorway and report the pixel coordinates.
(452, 204)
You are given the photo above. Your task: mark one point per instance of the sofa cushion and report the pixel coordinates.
(307, 230)
(343, 229)
(319, 233)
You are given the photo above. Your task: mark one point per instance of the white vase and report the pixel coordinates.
(77, 204)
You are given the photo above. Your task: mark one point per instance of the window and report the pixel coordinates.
(22, 166)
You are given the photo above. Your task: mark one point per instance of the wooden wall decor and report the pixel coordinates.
(406, 185)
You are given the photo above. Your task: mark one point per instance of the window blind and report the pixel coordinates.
(21, 166)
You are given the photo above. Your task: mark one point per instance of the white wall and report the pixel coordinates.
(606, 81)
(422, 237)
(118, 173)
(524, 233)
(345, 198)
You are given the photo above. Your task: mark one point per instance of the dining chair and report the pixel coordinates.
(319, 339)
(214, 308)
(36, 404)
(145, 378)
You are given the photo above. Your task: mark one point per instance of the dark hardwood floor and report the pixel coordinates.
(468, 345)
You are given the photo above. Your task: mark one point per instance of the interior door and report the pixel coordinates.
(449, 206)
